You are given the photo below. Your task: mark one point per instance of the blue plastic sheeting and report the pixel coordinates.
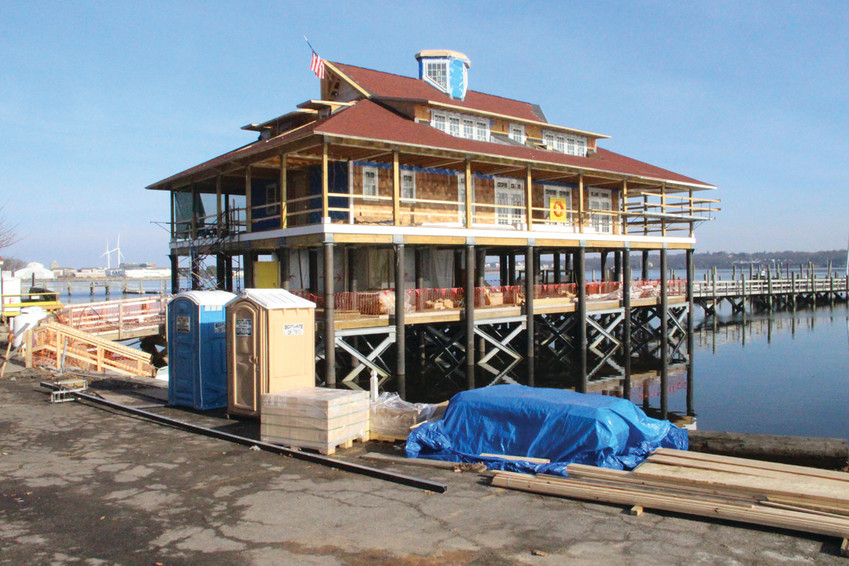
(554, 424)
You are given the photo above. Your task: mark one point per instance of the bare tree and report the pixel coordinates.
(8, 235)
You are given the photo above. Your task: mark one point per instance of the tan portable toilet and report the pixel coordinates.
(270, 347)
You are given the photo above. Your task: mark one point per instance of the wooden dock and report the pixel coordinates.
(768, 293)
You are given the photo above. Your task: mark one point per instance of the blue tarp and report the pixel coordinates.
(558, 425)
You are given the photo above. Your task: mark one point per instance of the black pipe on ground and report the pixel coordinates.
(268, 447)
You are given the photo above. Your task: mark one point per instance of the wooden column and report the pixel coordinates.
(480, 267)
(284, 197)
(329, 318)
(228, 273)
(418, 252)
(173, 215)
(557, 267)
(626, 323)
(692, 213)
(400, 334)
(249, 208)
(663, 209)
(353, 284)
(220, 271)
(603, 264)
(248, 270)
(219, 206)
(624, 206)
(617, 266)
(469, 302)
(581, 202)
(503, 276)
(644, 268)
(511, 268)
(530, 276)
(194, 212)
(283, 256)
(325, 185)
(312, 268)
(581, 311)
(175, 274)
(664, 337)
(529, 205)
(396, 188)
(469, 197)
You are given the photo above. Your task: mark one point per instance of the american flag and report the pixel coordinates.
(317, 65)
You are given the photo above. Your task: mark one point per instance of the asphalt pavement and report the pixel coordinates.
(82, 484)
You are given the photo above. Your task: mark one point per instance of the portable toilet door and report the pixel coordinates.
(197, 338)
(245, 321)
(183, 352)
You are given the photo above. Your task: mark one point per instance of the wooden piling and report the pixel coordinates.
(530, 330)
(330, 318)
(400, 328)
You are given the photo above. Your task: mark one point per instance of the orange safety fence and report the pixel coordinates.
(353, 304)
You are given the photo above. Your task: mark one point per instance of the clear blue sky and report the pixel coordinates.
(100, 99)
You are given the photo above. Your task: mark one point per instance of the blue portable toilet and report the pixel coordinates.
(197, 349)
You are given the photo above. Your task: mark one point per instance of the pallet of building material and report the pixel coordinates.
(391, 418)
(316, 418)
(736, 489)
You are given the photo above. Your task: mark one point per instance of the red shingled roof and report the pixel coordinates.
(387, 85)
(368, 120)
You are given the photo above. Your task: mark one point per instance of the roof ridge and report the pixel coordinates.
(415, 79)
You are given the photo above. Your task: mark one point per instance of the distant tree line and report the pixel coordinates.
(727, 260)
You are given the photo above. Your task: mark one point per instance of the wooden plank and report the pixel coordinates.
(758, 464)
(823, 490)
(520, 458)
(780, 518)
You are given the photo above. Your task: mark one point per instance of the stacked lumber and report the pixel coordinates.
(721, 487)
(316, 418)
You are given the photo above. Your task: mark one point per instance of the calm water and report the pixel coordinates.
(785, 373)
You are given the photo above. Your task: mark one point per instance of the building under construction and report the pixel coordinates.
(443, 234)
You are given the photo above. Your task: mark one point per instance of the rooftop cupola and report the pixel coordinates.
(445, 70)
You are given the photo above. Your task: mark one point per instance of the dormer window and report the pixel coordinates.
(460, 125)
(437, 73)
(570, 144)
(517, 133)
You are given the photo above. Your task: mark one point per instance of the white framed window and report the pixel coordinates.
(437, 73)
(510, 201)
(454, 125)
(460, 125)
(517, 133)
(482, 130)
(468, 128)
(439, 121)
(601, 200)
(461, 197)
(558, 202)
(370, 182)
(408, 185)
(570, 144)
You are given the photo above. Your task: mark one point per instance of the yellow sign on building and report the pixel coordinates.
(557, 209)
